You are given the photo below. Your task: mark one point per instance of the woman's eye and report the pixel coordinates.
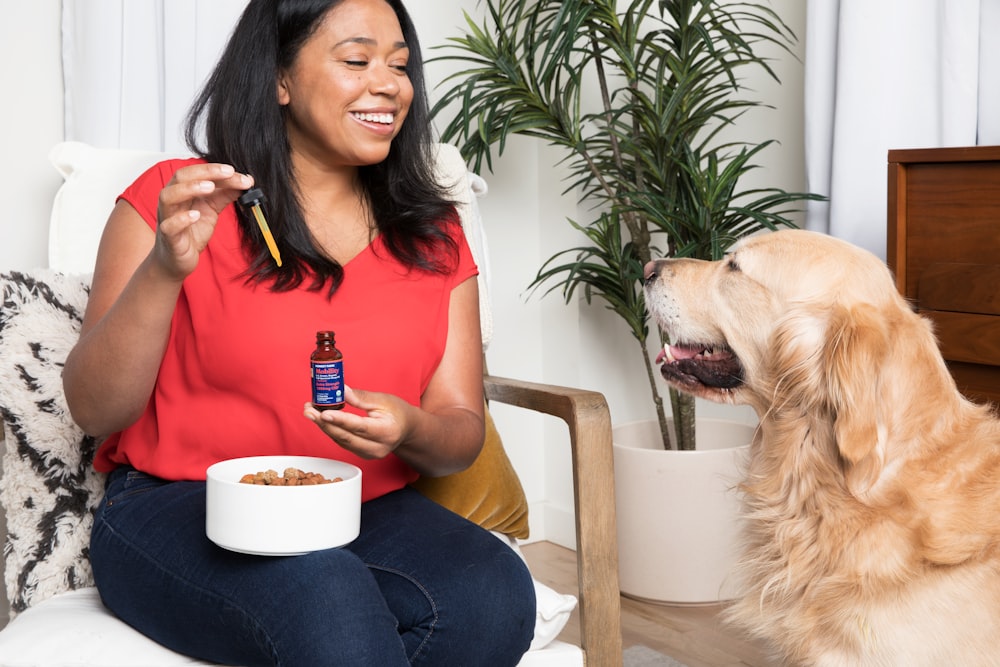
(356, 63)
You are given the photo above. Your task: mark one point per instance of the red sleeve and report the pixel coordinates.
(466, 267)
(144, 193)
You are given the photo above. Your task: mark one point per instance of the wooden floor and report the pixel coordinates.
(692, 635)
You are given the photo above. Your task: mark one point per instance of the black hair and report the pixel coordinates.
(245, 126)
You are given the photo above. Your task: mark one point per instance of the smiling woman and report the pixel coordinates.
(321, 105)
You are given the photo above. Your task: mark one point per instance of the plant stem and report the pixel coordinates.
(684, 419)
(638, 228)
(661, 415)
(682, 407)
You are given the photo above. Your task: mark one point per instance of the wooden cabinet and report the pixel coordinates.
(944, 247)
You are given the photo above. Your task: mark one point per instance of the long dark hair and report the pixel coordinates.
(245, 126)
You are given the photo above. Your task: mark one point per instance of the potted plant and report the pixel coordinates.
(637, 96)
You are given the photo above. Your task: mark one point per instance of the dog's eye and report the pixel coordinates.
(732, 265)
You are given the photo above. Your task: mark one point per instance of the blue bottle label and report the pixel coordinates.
(327, 383)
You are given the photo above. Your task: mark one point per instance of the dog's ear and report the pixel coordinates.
(854, 355)
(827, 362)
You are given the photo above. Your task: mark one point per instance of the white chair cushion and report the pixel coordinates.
(74, 629)
(93, 179)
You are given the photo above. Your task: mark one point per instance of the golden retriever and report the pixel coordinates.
(873, 486)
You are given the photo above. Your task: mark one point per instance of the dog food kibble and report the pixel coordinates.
(291, 477)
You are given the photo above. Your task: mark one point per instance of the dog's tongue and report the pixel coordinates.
(686, 351)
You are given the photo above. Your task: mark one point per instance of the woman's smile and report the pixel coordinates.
(381, 122)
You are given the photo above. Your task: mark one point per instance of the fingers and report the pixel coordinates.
(188, 209)
(374, 434)
(207, 188)
(359, 399)
(351, 433)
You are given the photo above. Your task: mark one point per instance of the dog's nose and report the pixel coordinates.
(650, 271)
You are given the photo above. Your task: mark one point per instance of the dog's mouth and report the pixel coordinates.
(692, 366)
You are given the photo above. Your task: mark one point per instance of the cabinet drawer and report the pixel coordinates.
(960, 288)
(967, 337)
(979, 383)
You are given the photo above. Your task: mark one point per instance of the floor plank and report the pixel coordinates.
(691, 634)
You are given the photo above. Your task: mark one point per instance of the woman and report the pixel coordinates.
(195, 340)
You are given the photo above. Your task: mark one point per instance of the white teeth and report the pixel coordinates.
(667, 354)
(383, 118)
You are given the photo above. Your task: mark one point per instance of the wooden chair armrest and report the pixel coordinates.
(589, 420)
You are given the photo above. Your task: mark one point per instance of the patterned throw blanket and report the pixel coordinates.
(49, 488)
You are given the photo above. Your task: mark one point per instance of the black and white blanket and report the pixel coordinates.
(48, 487)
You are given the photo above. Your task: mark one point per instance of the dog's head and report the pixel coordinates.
(792, 320)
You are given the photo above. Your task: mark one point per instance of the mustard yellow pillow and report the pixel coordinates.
(488, 492)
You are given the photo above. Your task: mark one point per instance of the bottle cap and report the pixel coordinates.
(252, 197)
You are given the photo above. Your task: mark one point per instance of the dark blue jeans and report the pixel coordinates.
(419, 586)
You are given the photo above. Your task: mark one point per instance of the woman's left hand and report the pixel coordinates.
(444, 434)
(374, 435)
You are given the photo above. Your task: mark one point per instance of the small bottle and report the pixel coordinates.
(327, 370)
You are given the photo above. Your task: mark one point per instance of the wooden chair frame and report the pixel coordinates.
(587, 416)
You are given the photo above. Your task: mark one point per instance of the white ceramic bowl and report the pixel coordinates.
(282, 520)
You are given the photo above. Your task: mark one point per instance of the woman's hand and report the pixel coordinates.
(445, 433)
(372, 436)
(188, 210)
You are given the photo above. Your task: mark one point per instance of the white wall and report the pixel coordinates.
(536, 338)
(30, 123)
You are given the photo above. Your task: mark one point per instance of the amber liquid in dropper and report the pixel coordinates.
(252, 199)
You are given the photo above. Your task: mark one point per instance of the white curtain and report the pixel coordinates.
(131, 68)
(886, 74)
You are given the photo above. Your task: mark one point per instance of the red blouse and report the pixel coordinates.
(235, 373)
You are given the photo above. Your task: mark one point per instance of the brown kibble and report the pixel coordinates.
(291, 477)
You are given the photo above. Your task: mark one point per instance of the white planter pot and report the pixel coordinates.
(678, 512)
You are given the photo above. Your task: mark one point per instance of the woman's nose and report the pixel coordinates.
(384, 80)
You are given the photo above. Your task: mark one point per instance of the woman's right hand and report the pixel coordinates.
(188, 210)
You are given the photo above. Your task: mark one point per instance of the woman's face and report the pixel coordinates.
(348, 93)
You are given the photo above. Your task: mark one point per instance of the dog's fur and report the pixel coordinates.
(873, 487)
